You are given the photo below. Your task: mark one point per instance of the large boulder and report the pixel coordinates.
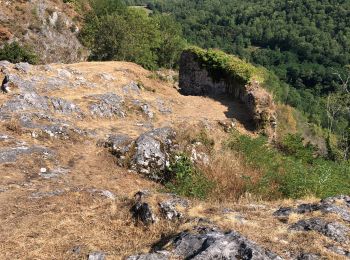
(152, 152)
(149, 154)
(210, 243)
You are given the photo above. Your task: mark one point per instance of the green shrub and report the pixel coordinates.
(15, 53)
(293, 144)
(220, 64)
(187, 180)
(291, 175)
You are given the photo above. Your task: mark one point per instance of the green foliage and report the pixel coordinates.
(187, 180)
(171, 41)
(113, 31)
(291, 174)
(15, 53)
(220, 64)
(302, 43)
(293, 145)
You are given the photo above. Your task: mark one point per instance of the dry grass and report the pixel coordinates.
(230, 175)
(50, 227)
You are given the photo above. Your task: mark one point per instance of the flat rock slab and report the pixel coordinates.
(9, 155)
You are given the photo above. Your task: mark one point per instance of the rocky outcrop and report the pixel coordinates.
(49, 27)
(196, 79)
(334, 230)
(149, 154)
(210, 243)
(339, 205)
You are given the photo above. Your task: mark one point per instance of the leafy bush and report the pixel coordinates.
(220, 64)
(293, 144)
(291, 175)
(187, 180)
(15, 53)
(112, 31)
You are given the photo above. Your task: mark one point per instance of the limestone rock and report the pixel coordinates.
(107, 105)
(97, 256)
(63, 106)
(119, 145)
(27, 101)
(8, 155)
(211, 243)
(334, 230)
(141, 211)
(152, 152)
(339, 251)
(195, 79)
(168, 208)
(161, 255)
(339, 205)
(23, 67)
(149, 154)
(132, 88)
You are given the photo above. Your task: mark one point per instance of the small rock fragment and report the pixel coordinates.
(305, 256)
(97, 256)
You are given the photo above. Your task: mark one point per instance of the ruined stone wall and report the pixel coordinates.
(195, 79)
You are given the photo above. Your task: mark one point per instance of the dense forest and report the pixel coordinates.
(306, 44)
(300, 40)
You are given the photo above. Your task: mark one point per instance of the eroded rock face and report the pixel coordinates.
(211, 243)
(49, 28)
(194, 79)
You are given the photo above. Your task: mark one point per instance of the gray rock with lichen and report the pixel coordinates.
(63, 106)
(211, 243)
(152, 152)
(334, 230)
(97, 256)
(339, 205)
(23, 67)
(8, 155)
(26, 101)
(107, 105)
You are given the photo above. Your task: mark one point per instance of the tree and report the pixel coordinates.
(171, 41)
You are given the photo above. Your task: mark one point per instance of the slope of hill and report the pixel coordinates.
(49, 28)
(77, 142)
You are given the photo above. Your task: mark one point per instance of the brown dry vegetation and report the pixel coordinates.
(38, 224)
